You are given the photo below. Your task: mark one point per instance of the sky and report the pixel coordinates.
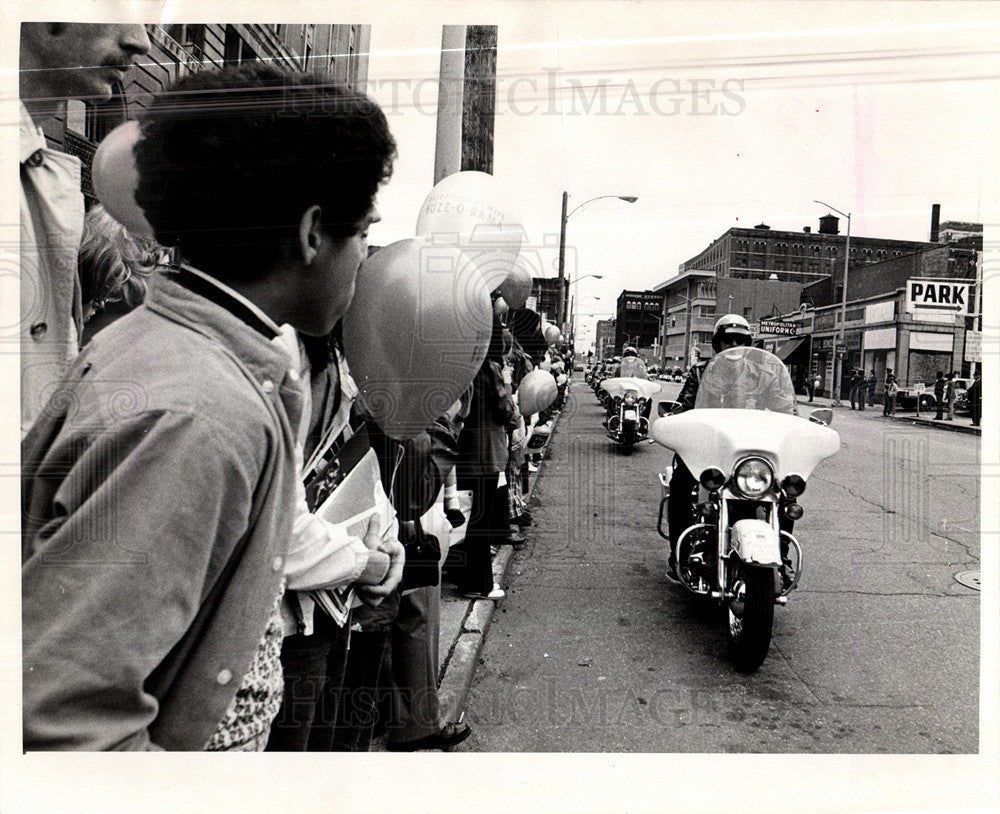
(714, 116)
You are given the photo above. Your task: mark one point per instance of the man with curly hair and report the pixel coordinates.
(158, 485)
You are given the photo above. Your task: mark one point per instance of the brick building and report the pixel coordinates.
(604, 339)
(545, 296)
(638, 319)
(879, 329)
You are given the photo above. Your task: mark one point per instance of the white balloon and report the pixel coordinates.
(469, 209)
(536, 391)
(115, 178)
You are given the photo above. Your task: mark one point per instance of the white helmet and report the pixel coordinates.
(731, 326)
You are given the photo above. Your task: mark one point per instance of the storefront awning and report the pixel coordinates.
(786, 347)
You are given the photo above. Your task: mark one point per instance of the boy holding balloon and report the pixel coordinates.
(158, 486)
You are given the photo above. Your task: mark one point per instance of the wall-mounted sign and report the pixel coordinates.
(973, 346)
(776, 326)
(931, 296)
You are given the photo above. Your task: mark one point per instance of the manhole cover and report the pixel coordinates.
(970, 579)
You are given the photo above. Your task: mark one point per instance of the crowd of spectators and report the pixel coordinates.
(221, 549)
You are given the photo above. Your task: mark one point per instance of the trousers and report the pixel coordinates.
(314, 674)
(415, 635)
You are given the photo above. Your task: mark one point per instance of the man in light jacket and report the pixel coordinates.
(58, 61)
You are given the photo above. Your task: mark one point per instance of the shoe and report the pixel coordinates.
(523, 519)
(451, 734)
(532, 468)
(496, 594)
(671, 574)
(455, 517)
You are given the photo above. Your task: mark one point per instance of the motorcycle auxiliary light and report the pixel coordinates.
(630, 397)
(793, 511)
(712, 479)
(753, 477)
(793, 485)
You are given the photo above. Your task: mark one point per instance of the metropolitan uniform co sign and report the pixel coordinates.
(931, 296)
(774, 326)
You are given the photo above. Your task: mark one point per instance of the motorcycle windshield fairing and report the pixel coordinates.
(746, 406)
(618, 385)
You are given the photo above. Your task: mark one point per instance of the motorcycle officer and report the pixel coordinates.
(632, 364)
(731, 331)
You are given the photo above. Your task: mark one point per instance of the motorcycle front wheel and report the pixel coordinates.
(751, 617)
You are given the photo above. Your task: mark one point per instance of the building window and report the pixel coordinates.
(191, 37)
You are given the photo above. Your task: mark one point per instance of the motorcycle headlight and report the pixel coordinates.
(630, 397)
(754, 477)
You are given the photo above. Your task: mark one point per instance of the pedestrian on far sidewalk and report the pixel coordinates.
(949, 396)
(939, 387)
(857, 393)
(891, 389)
(975, 397)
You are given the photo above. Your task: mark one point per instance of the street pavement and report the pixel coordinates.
(592, 649)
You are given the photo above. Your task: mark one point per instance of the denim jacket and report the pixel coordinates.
(168, 453)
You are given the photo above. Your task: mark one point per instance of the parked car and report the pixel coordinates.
(962, 395)
(906, 398)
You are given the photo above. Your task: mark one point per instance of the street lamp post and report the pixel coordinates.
(561, 306)
(838, 369)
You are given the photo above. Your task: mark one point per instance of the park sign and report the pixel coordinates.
(776, 326)
(934, 296)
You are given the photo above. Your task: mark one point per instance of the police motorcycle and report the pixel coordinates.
(752, 456)
(628, 403)
(607, 370)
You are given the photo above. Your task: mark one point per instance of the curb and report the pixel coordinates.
(463, 656)
(913, 420)
(459, 665)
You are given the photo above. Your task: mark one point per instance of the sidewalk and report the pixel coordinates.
(962, 423)
(464, 623)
